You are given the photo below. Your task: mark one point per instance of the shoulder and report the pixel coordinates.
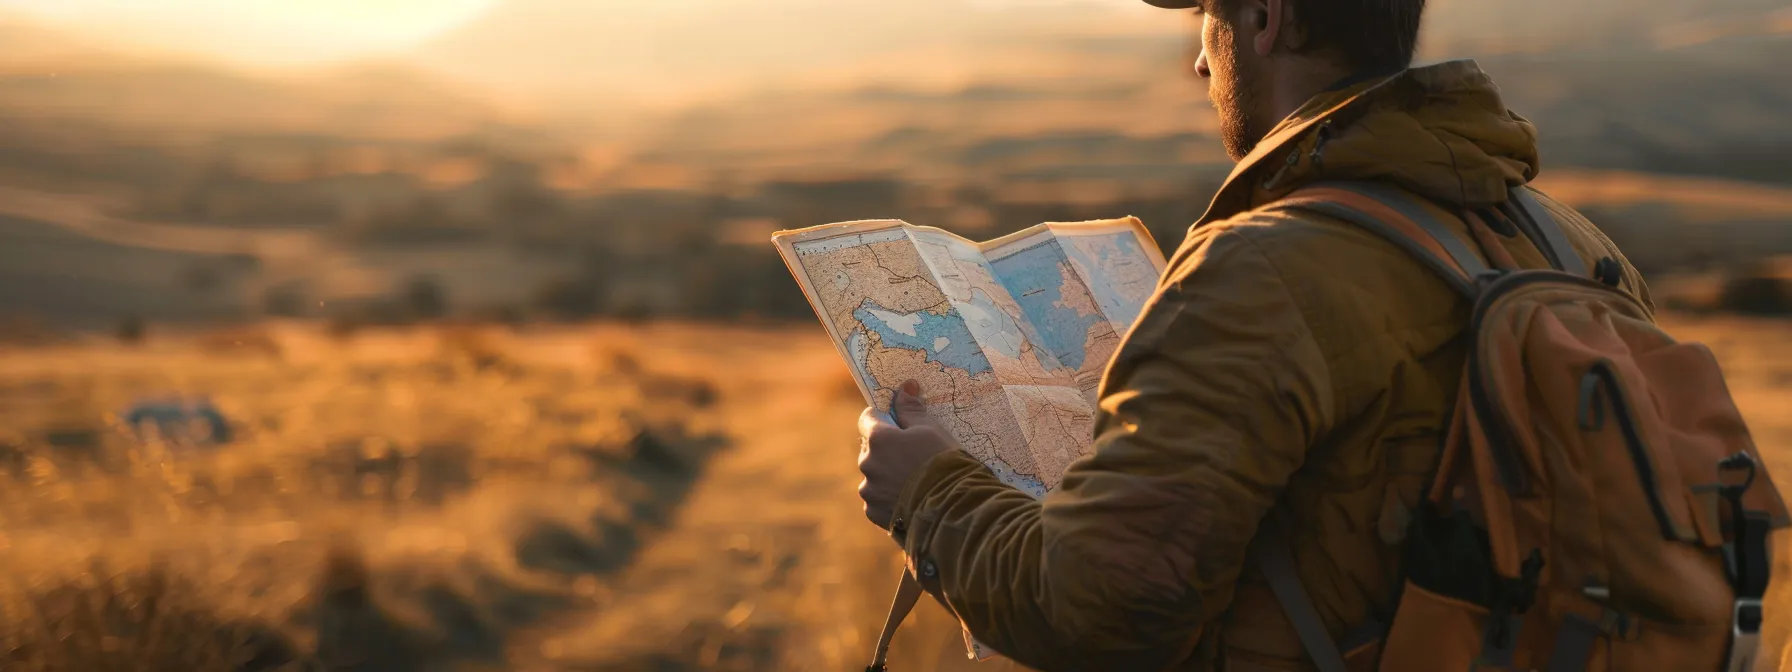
(1352, 288)
(1319, 257)
(1261, 257)
(1302, 246)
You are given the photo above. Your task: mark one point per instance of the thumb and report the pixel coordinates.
(908, 407)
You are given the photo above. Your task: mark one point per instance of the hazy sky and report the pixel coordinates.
(258, 31)
(297, 32)
(305, 32)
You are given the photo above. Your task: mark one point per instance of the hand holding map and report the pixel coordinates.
(1008, 338)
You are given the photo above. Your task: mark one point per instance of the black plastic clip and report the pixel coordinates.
(1511, 598)
(1746, 556)
(1608, 271)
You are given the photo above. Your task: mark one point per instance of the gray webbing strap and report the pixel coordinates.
(1552, 241)
(1404, 204)
(1522, 221)
(1276, 559)
(908, 592)
(1401, 240)
(1574, 645)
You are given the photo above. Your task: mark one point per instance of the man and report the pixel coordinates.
(1289, 363)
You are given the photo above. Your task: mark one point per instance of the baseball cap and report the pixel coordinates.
(1174, 4)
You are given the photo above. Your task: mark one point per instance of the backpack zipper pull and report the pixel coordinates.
(1528, 575)
(1511, 598)
(1746, 556)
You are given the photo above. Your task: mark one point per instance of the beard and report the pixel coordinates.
(1235, 94)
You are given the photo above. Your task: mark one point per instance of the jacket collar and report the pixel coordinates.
(1276, 151)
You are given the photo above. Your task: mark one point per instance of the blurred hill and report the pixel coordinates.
(559, 158)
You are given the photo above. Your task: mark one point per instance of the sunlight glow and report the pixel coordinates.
(258, 32)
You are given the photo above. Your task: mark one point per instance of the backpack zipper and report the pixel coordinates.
(1495, 424)
(1633, 441)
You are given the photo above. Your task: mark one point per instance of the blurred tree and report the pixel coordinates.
(499, 314)
(131, 330)
(568, 298)
(635, 311)
(425, 299)
(201, 276)
(1757, 289)
(342, 326)
(284, 300)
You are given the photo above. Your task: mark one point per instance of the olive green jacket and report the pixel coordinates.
(1287, 360)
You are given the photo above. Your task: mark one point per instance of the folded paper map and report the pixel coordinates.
(1008, 338)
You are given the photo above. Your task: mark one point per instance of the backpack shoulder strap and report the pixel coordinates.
(1402, 220)
(908, 592)
(1546, 233)
(1276, 558)
(1399, 218)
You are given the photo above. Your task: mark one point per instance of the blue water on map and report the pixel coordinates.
(1121, 296)
(1035, 278)
(944, 337)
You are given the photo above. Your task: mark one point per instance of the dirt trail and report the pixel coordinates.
(768, 565)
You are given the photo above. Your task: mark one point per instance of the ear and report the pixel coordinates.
(1267, 17)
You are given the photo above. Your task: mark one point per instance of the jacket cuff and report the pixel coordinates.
(940, 470)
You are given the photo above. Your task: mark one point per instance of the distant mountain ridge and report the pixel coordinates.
(556, 47)
(411, 167)
(908, 95)
(370, 100)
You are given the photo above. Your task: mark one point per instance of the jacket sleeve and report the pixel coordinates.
(1207, 409)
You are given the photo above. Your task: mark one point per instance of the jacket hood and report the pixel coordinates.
(1440, 131)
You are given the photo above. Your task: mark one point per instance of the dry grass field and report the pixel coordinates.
(658, 497)
(341, 493)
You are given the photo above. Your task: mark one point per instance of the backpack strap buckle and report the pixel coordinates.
(1745, 635)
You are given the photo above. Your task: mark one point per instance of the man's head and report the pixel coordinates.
(1264, 58)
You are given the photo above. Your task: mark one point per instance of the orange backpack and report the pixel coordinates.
(1597, 502)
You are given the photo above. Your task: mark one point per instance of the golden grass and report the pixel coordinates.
(99, 621)
(482, 499)
(474, 483)
(244, 340)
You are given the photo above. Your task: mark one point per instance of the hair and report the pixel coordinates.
(1368, 34)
